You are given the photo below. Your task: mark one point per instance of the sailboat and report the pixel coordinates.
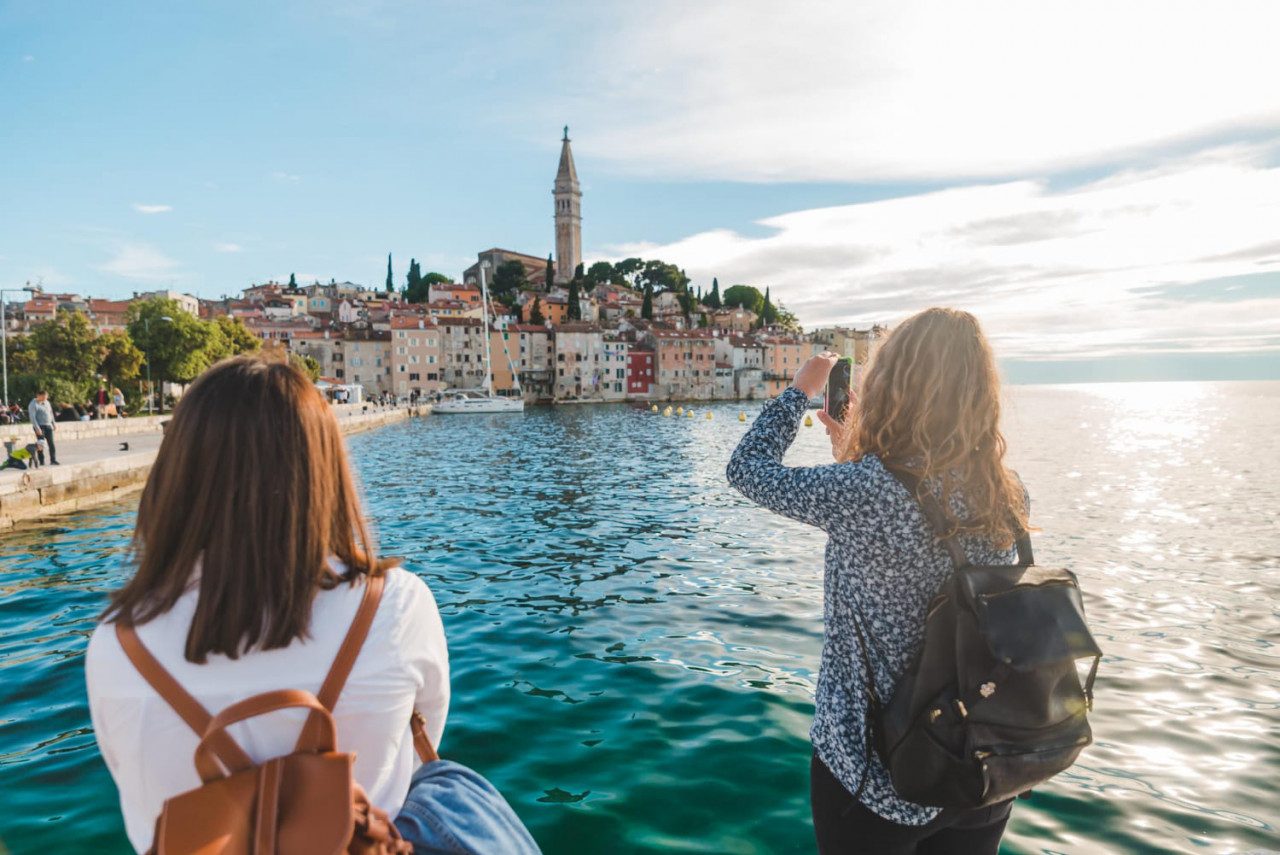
(482, 400)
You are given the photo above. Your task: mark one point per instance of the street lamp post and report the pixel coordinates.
(146, 325)
(4, 338)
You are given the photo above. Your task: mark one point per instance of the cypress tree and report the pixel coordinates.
(646, 308)
(768, 314)
(293, 282)
(535, 314)
(551, 274)
(713, 301)
(575, 305)
(390, 280)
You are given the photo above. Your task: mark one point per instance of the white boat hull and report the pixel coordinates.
(459, 406)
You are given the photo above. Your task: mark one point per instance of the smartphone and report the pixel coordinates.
(839, 389)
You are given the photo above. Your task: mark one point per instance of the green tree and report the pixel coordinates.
(768, 314)
(598, 274)
(664, 277)
(646, 308)
(509, 278)
(121, 359)
(293, 282)
(391, 284)
(230, 337)
(628, 268)
(575, 299)
(177, 345)
(787, 320)
(535, 314)
(713, 299)
(434, 278)
(550, 275)
(415, 290)
(307, 364)
(63, 354)
(743, 297)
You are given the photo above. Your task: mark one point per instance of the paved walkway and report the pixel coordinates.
(74, 451)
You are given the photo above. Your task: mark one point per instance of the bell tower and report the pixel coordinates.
(568, 197)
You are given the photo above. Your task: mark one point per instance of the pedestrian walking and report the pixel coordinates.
(41, 413)
(100, 400)
(117, 401)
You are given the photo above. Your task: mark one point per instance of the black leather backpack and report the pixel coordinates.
(992, 705)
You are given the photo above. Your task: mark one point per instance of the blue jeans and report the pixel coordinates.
(452, 810)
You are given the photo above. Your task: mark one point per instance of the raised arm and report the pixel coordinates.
(817, 495)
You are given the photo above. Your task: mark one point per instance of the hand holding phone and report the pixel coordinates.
(839, 390)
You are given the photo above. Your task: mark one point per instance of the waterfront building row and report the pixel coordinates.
(575, 361)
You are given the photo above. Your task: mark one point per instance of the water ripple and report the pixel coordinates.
(635, 647)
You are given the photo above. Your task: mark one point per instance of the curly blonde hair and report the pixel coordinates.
(929, 404)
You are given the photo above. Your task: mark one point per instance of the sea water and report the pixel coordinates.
(634, 646)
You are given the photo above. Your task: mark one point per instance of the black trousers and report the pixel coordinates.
(845, 827)
(46, 431)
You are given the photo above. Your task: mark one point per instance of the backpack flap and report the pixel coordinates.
(294, 805)
(1029, 616)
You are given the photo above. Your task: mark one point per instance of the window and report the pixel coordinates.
(413, 360)
(412, 377)
(402, 369)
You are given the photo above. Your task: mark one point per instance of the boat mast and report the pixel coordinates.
(484, 303)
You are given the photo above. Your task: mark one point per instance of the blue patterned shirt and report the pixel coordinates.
(882, 558)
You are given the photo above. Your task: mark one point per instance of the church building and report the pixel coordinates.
(568, 195)
(568, 218)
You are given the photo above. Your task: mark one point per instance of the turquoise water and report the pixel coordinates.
(635, 647)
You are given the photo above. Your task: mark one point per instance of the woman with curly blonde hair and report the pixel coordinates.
(927, 407)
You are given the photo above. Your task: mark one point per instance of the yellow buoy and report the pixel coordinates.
(808, 421)
(742, 417)
(666, 412)
(680, 411)
(708, 415)
(689, 414)
(655, 408)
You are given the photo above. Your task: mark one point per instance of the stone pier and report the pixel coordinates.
(95, 468)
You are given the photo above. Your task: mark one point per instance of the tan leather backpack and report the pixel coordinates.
(304, 803)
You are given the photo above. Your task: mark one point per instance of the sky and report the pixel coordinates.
(1098, 182)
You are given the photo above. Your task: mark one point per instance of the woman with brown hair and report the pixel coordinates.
(253, 559)
(927, 406)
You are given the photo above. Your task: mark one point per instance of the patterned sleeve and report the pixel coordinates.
(816, 495)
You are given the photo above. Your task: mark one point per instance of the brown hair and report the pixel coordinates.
(929, 404)
(251, 486)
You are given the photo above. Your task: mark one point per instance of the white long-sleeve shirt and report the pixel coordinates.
(403, 665)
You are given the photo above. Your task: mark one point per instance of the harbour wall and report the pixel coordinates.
(52, 490)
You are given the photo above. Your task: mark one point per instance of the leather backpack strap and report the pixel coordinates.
(346, 658)
(172, 693)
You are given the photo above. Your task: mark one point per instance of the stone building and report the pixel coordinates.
(568, 196)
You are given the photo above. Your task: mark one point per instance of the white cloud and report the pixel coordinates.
(152, 209)
(1088, 271)
(228, 247)
(918, 89)
(140, 261)
(284, 176)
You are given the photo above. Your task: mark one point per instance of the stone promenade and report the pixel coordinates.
(95, 469)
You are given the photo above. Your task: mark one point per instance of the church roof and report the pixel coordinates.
(567, 176)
